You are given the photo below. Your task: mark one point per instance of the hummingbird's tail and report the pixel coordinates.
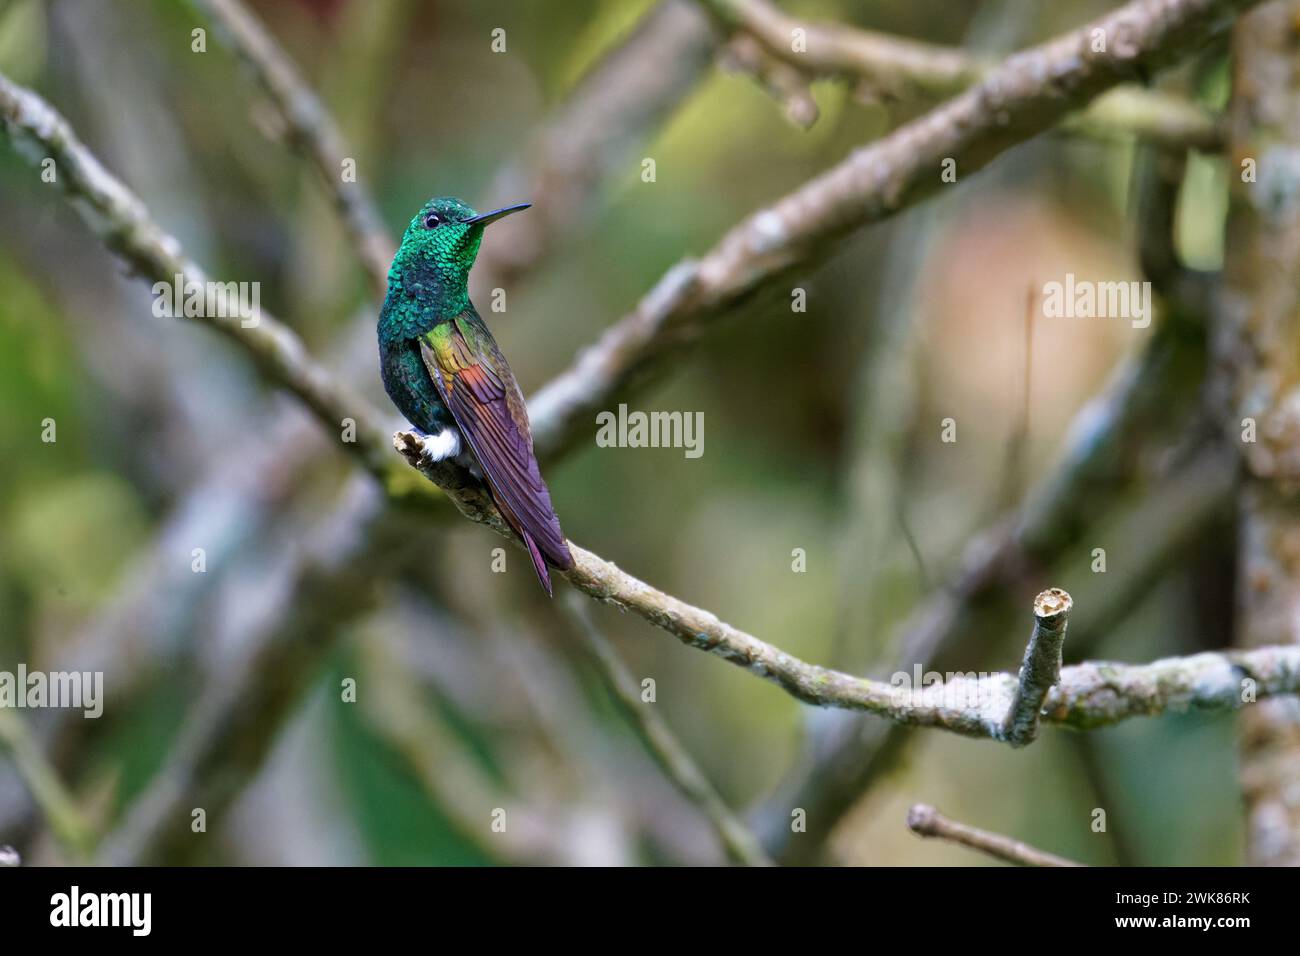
(539, 564)
(554, 553)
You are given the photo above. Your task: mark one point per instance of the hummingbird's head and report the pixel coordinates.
(445, 236)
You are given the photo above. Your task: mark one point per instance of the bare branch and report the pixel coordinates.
(310, 129)
(1089, 695)
(568, 161)
(924, 820)
(1256, 338)
(740, 843)
(783, 82)
(449, 772)
(1041, 668)
(845, 756)
(1024, 96)
(118, 217)
(1162, 120)
(879, 62)
(885, 66)
(232, 725)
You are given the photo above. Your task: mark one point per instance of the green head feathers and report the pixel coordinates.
(443, 239)
(429, 278)
(432, 266)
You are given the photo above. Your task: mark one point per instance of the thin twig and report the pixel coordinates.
(738, 840)
(565, 166)
(881, 65)
(1013, 471)
(882, 413)
(924, 820)
(310, 128)
(786, 84)
(1041, 668)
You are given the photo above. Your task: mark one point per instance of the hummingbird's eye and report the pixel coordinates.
(432, 220)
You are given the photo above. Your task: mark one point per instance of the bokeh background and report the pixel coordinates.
(821, 433)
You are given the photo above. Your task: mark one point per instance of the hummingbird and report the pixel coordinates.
(444, 372)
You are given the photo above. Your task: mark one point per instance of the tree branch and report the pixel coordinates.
(924, 820)
(120, 220)
(310, 129)
(882, 65)
(1041, 669)
(1089, 695)
(568, 161)
(740, 843)
(844, 756)
(878, 62)
(252, 690)
(118, 217)
(784, 83)
(1024, 96)
(449, 773)
(1257, 350)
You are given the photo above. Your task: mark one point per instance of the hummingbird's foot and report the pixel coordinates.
(440, 447)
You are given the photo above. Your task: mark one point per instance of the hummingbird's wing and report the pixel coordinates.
(478, 388)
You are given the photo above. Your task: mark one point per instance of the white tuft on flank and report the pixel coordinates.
(445, 444)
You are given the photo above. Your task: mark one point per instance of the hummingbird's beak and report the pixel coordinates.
(483, 218)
